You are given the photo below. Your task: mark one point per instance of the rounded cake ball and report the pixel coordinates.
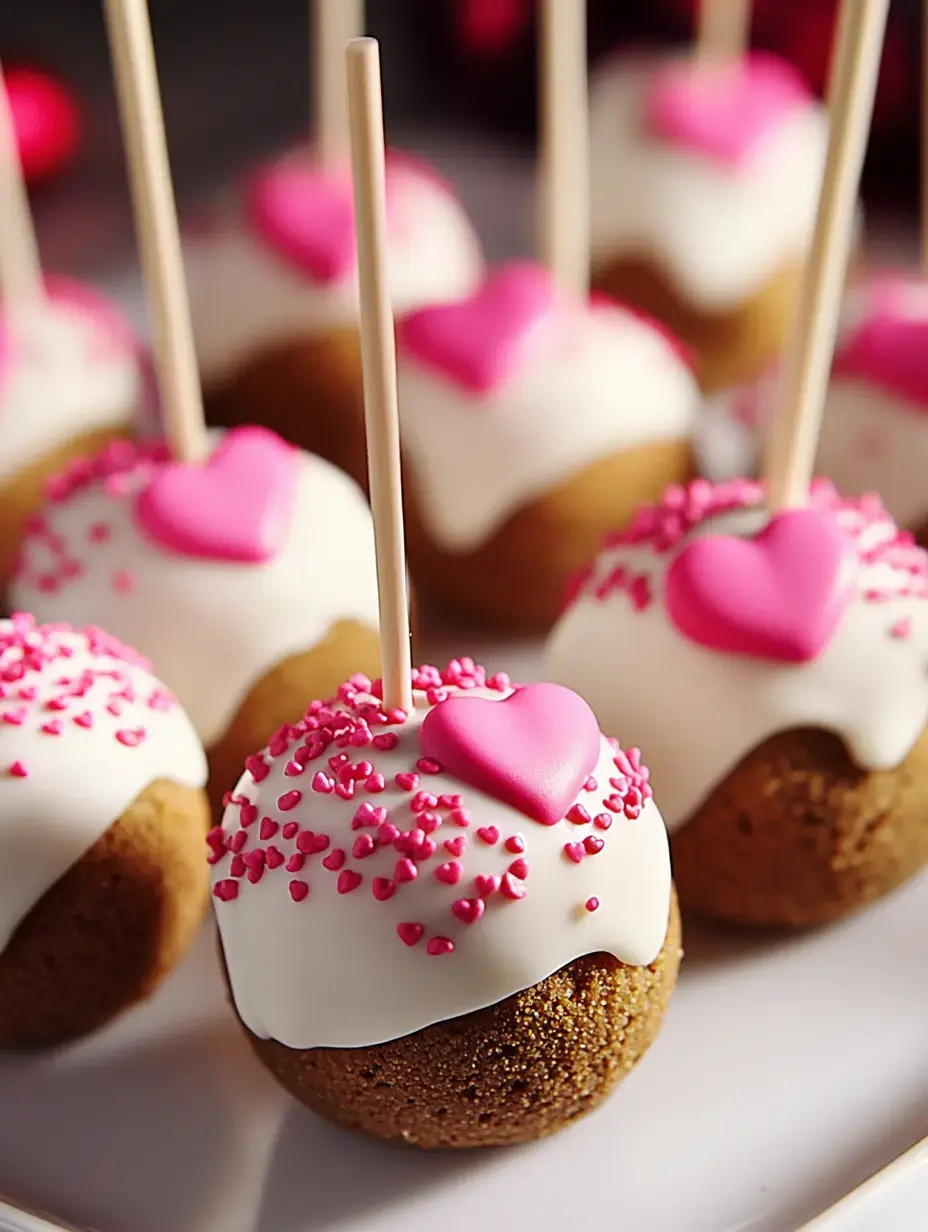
(775, 669)
(249, 581)
(532, 422)
(103, 885)
(486, 876)
(70, 380)
(273, 286)
(705, 187)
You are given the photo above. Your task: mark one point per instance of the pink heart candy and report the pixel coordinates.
(888, 347)
(409, 933)
(483, 341)
(307, 214)
(486, 884)
(533, 750)
(237, 506)
(468, 910)
(723, 110)
(778, 596)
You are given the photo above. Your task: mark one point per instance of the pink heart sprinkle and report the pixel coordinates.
(439, 945)
(237, 506)
(723, 110)
(455, 846)
(405, 870)
(468, 910)
(275, 857)
(407, 781)
(409, 934)
(383, 888)
(532, 750)
(268, 828)
(482, 342)
(511, 887)
(334, 860)
(779, 596)
(450, 873)
(486, 885)
(488, 835)
(519, 868)
(574, 852)
(348, 880)
(298, 890)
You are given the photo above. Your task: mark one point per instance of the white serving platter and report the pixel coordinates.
(788, 1071)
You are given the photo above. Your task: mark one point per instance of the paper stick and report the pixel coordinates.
(565, 157)
(378, 361)
(336, 23)
(724, 29)
(807, 361)
(915, 1157)
(20, 267)
(158, 233)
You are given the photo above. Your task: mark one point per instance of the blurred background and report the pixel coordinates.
(459, 83)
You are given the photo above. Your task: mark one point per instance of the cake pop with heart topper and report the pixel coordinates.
(444, 861)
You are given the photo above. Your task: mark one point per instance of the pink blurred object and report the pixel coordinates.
(48, 123)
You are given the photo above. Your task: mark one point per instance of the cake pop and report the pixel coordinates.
(705, 179)
(102, 880)
(273, 275)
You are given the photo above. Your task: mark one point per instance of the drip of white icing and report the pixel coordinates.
(82, 779)
(246, 298)
(609, 381)
(697, 713)
(211, 628)
(719, 233)
(330, 971)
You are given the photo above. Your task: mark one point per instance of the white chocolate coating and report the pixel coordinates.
(80, 779)
(330, 970)
(212, 628)
(68, 366)
(699, 712)
(599, 381)
(246, 298)
(718, 233)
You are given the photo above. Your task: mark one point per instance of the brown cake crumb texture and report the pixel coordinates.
(522, 1069)
(731, 347)
(797, 835)
(109, 931)
(282, 695)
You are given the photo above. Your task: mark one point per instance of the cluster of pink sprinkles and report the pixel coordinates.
(121, 469)
(40, 691)
(410, 830)
(663, 527)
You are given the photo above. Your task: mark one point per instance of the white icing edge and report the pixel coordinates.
(81, 781)
(608, 382)
(213, 629)
(719, 233)
(697, 713)
(331, 972)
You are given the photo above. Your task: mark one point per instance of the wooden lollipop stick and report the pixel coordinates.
(807, 362)
(915, 1157)
(378, 362)
(156, 219)
(724, 29)
(336, 23)
(20, 267)
(565, 157)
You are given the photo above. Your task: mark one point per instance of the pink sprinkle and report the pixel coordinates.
(289, 800)
(257, 767)
(439, 945)
(486, 884)
(248, 814)
(275, 857)
(269, 828)
(422, 801)
(405, 870)
(131, 738)
(345, 790)
(407, 781)
(429, 821)
(592, 904)
(383, 888)
(322, 783)
(385, 741)
(578, 815)
(387, 833)
(519, 868)
(15, 718)
(334, 860)
(428, 765)
(488, 835)
(54, 727)
(298, 889)
(363, 846)
(99, 532)
(460, 817)
(226, 890)
(602, 821)
(409, 934)
(515, 844)
(449, 801)
(468, 910)
(512, 887)
(290, 829)
(375, 783)
(455, 846)
(902, 629)
(293, 768)
(590, 784)
(296, 862)
(311, 844)
(237, 866)
(593, 844)
(123, 582)
(574, 852)
(18, 771)
(238, 840)
(348, 880)
(450, 873)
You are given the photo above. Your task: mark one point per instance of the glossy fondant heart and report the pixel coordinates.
(722, 110)
(237, 506)
(307, 215)
(534, 750)
(777, 596)
(888, 346)
(480, 342)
